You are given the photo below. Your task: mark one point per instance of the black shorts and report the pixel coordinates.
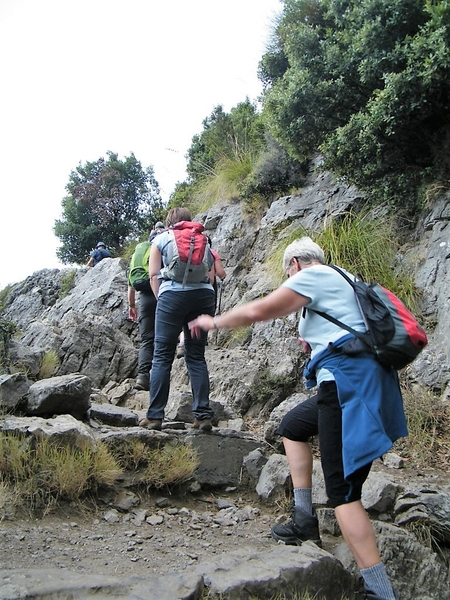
(321, 415)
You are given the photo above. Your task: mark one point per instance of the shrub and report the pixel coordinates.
(7, 330)
(67, 284)
(49, 364)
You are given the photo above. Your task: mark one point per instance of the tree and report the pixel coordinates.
(366, 82)
(226, 136)
(109, 200)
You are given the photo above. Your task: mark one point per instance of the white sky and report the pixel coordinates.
(81, 77)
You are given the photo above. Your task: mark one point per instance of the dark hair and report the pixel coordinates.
(177, 214)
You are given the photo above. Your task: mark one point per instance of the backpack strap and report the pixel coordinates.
(189, 258)
(338, 323)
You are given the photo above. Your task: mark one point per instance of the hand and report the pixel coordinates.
(204, 322)
(133, 313)
(306, 348)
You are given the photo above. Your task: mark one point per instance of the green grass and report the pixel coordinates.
(49, 365)
(67, 284)
(223, 185)
(360, 243)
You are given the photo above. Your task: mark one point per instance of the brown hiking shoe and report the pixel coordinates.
(141, 384)
(203, 425)
(151, 424)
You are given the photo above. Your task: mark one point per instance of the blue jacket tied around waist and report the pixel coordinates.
(371, 402)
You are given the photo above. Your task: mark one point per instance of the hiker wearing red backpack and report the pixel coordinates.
(357, 411)
(184, 292)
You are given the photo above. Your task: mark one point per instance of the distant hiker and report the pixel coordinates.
(158, 228)
(184, 292)
(138, 281)
(98, 254)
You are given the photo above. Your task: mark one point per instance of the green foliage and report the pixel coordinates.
(365, 82)
(238, 134)
(43, 472)
(109, 200)
(49, 364)
(367, 247)
(67, 284)
(274, 171)
(361, 243)
(4, 297)
(7, 330)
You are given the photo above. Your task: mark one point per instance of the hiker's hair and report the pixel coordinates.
(305, 250)
(177, 214)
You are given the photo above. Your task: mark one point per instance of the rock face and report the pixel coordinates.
(90, 333)
(256, 376)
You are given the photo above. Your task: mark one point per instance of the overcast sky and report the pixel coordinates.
(81, 77)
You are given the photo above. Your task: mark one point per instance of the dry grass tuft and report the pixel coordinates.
(42, 472)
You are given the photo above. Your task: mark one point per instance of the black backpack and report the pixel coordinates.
(393, 333)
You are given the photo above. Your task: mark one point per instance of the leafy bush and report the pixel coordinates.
(366, 84)
(7, 330)
(274, 171)
(4, 297)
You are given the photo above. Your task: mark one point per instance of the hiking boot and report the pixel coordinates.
(300, 528)
(141, 384)
(151, 424)
(203, 425)
(372, 596)
(180, 351)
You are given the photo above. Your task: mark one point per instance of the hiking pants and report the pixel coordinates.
(146, 324)
(321, 414)
(174, 310)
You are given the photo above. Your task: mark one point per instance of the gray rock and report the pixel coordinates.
(13, 391)
(273, 476)
(113, 415)
(245, 574)
(44, 584)
(64, 429)
(64, 395)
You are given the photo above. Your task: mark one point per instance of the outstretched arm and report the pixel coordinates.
(279, 303)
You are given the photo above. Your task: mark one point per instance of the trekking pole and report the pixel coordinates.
(219, 301)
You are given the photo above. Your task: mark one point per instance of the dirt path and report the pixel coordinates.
(144, 541)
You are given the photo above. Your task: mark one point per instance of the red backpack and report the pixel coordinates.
(393, 333)
(189, 256)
